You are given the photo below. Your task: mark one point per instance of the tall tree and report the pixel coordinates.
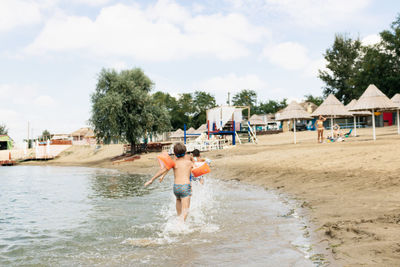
(123, 108)
(271, 106)
(3, 129)
(245, 98)
(201, 102)
(340, 77)
(45, 135)
(376, 67)
(390, 52)
(317, 100)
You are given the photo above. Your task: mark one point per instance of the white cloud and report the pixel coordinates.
(45, 101)
(289, 55)
(160, 32)
(14, 13)
(293, 56)
(314, 66)
(221, 85)
(310, 13)
(371, 39)
(119, 65)
(17, 94)
(91, 2)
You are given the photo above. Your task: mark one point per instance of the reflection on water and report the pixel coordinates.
(118, 185)
(93, 217)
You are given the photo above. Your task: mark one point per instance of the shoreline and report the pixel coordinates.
(351, 189)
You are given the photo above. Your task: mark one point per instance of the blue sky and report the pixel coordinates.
(52, 50)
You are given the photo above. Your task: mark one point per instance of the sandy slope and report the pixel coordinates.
(352, 189)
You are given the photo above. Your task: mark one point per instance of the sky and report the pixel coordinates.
(51, 51)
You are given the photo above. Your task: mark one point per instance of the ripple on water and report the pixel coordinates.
(81, 216)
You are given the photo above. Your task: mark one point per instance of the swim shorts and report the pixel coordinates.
(182, 190)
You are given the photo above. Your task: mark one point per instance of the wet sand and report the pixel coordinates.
(351, 189)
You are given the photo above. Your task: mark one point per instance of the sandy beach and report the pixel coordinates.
(350, 189)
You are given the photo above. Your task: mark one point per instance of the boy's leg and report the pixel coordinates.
(185, 207)
(178, 206)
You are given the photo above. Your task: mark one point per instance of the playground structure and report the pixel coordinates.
(225, 121)
(225, 126)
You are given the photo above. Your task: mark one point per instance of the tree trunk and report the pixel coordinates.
(133, 148)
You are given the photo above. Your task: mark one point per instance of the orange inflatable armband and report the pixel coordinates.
(165, 161)
(201, 170)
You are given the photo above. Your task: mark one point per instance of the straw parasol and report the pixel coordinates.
(201, 129)
(333, 108)
(356, 114)
(177, 134)
(294, 111)
(374, 100)
(396, 100)
(191, 131)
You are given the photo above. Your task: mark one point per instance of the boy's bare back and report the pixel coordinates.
(182, 169)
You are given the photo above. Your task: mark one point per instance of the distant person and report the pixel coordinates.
(183, 165)
(336, 131)
(197, 160)
(320, 128)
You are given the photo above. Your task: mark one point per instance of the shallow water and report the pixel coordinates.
(81, 216)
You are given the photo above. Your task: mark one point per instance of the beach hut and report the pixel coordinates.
(293, 112)
(396, 100)
(374, 100)
(258, 122)
(331, 108)
(356, 114)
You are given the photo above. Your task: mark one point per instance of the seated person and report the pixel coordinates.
(336, 131)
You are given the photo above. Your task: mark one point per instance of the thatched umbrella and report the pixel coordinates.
(374, 100)
(356, 114)
(201, 129)
(294, 111)
(333, 108)
(177, 134)
(191, 131)
(396, 100)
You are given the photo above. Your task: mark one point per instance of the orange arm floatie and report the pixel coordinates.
(165, 161)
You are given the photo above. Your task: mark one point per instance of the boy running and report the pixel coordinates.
(182, 187)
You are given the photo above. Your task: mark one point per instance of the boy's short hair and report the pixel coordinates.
(179, 150)
(196, 153)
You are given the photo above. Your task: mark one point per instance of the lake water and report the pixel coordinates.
(70, 216)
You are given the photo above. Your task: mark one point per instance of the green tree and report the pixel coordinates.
(271, 106)
(376, 67)
(45, 135)
(245, 98)
(123, 108)
(342, 60)
(201, 102)
(390, 56)
(317, 100)
(3, 129)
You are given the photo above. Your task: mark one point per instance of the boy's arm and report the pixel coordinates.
(158, 174)
(162, 176)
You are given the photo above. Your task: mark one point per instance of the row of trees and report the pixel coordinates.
(190, 109)
(124, 108)
(352, 66)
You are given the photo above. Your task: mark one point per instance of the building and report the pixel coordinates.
(6, 143)
(83, 136)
